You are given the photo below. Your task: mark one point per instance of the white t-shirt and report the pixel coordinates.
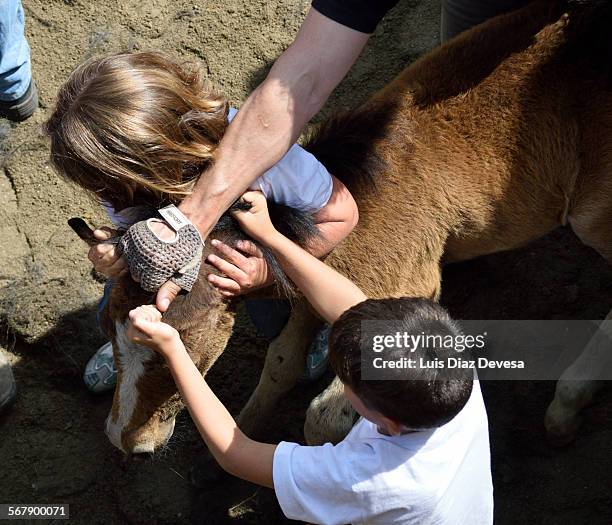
(438, 476)
(298, 180)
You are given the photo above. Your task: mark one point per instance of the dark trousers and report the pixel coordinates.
(460, 15)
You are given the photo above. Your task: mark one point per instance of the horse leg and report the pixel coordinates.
(578, 384)
(283, 366)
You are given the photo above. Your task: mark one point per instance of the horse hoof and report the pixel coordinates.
(328, 419)
(561, 427)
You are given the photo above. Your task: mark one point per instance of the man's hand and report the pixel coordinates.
(104, 257)
(155, 257)
(245, 268)
(168, 292)
(146, 328)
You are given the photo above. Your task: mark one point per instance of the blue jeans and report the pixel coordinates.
(108, 286)
(15, 71)
(268, 315)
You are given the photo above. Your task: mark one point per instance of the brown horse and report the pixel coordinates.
(483, 145)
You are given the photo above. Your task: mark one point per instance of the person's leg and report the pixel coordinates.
(8, 390)
(459, 15)
(270, 317)
(18, 97)
(100, 374)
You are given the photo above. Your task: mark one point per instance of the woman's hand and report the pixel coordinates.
(146, 328)
(244, 268)
(105, 258)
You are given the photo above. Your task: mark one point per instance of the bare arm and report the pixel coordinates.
(235, 452)
(335, 221)
(329, 292)
(244, 268)
(273, 116)
(270, 121)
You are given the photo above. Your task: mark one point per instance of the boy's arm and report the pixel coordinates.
(329, 292)
(235, 452)
(246, 269)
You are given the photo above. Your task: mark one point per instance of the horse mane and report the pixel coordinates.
(347, 143)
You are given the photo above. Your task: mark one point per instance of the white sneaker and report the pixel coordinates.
(100, 373)
(317, 359)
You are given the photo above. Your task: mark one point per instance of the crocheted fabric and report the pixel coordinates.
(153, 261)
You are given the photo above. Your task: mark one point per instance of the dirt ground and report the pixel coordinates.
(52, 447)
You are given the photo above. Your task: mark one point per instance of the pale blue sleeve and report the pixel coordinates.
(298, 180)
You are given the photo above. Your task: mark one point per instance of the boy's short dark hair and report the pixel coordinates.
(420, 397)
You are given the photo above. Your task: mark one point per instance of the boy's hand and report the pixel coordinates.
(104, 257)
(256, 221)
(146, 328)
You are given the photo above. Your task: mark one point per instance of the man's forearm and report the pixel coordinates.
(258, 137)
(329, 292)
(272, 118)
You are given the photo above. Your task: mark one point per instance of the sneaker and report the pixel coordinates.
(23, 107)
(100, 372)
(8, 389)
(318, 357)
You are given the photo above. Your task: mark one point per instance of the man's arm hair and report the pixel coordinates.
(269, 122)
(273, 116)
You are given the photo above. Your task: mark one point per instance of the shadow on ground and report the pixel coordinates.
(53, 448)
(52, 445)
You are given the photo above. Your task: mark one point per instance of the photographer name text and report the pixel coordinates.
(448, 363)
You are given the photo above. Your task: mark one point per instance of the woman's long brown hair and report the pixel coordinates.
(136, 128)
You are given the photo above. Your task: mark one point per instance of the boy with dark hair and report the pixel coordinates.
(421, 398)
(420, 452)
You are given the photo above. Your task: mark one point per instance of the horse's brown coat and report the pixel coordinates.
(485, 144)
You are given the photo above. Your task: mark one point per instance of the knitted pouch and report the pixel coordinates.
(153, 261)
